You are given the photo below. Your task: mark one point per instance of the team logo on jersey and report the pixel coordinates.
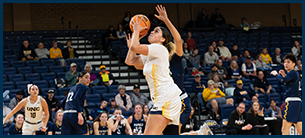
(155, 108)
(33, 108)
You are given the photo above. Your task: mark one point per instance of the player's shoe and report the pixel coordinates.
(205, 130)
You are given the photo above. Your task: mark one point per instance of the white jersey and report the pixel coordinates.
(156, 71)
(33, 112)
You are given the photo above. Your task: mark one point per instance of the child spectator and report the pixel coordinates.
(265, 56)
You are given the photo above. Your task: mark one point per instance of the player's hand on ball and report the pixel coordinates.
(273, 72)
(137, 25)
(162, 12)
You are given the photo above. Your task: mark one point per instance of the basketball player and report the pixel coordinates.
(34, 105)
(118, 124)
(137, 121)
(73, 120)
(154, 61)
(56, 126)
(292, 113)
(100, 125)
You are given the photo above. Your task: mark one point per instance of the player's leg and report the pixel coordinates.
(27, 129)
(171, 130)
(285, 127)
(66, 127)
(155, 125)
(298, 126)
(185, 112)
(190, 133)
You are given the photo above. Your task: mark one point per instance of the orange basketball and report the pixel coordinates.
(145, 23)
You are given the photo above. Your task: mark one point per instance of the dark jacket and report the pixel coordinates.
(239, 94)
(230, 73)
(237, 121)
(191, 124)
(66, 53)
(274, 59)
(255, 120)
(24, 52)
(218, 19)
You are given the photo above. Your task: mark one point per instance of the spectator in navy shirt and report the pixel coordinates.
(249, 69)
(277, 57)
(234, 72)
(197, 86)
(242, 94)
(235, 52)
(261, 84)
(101, 109)
(16, 128)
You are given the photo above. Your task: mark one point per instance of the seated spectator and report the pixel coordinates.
(126, 21)
(190, 41)
(118, 124)
(298, 64)
(71, 76)
(52, 104)
(16, 128)
(242, 94)
(197, 85)
(55, 53)
(109, 36)
(277, 57)
(86, 113)
(234, 72)
(69, 52)
(6, 94)
(146, 110)
(195, 59)
(203, 19)
(14, 101)
(297, 49)
(186, 54)
(225, 53)
(265, 56)
(138, 120)
(103, 108)
(218, 20)
(42, 52)
(93, 79)
(261, 84)
(221, 69)
(49, 127)
(216, 50)
(123, 101)
(249, 69)
(235, 52)
(106, 78)
(246, 54)
(210, 57)
(276, 111)
(238, 122)
(112, 106)
(260, 64)
(26, 52)
(214, 97)
(6, 110)
(56, 126)
(191, 124)
(215, 72)
(120, 33)
(256, 119)
(218, 84)
(100, 125)
(254, 99)
(137, 97)
(244, 23)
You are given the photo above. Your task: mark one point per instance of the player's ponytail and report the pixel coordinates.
(168, 41)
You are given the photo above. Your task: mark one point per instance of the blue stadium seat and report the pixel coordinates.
(286, 35)
(275, 44)
(273, 81)
(123, 51)
(15, 77)
(115, 46)
(232, 36)
(113, 88)
(254, 35)
(9, 70)
(6, 64)
(44, 91)
(276, 35)
(22, 85)
(225, 110)
(52, 83)
(78, 61)
(4, 78)
(262, 97)
(7, 52)
(41, 69)
(62, 90)
(18, 64)
(32, 77)
(14, 91)
(10, 58)
(99, 89)
(253, 40)
(274, 96)
(48, 62)
(25, 70)
(32, 63)
(59, 97)
(13, 46)
(266, 40)
(231, 40)
(8, 86)
(275, 40)
(48, 76)
(56, 69)
(81, 68)
(242, 40)
(253, 44)
(61, 75)
(93, 98)
(243, 36)
(41, 84)
(108, 96)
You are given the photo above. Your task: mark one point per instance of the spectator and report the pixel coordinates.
(197, 85)
(243, 94)
(265, 56)
(121, 33)
(191, 124)
(195, 59)
(216, 50)
(69, 52)
(298, 66)
(126, 21)
(260, 64)
(190, 41)
(145, 110)
(203, 19)
(109, 36)
(123, 101)
(14, 101)
(49, 127)
(26, 52)
(138, 120)
(297, 49)
(86, 113)
(275, 109)
(214, 97)
(235, 52)
(215, 72)
(103, 108)
(238, 122)
(52, 103)
(137, 97)
(6, 110)
(256, 119)
(16, 128)
(210, 57)
(275, 125)
(112, 106)
(71, 76)
(106, 78)
(254, 99)
(42, 52)
(225, 53)
(93, 79)
(218, 84)
(218, 20)
(118, 124)
(244, 23)
(55, 53)
(261, 84)
(56, 126)
(221, 69)
(186, 54)
(234, 71)
(277, 57)
(246, 54)
(100, 125)
(6, 94)
(249, 69)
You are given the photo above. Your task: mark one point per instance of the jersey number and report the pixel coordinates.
(69, 97)
(33, 115)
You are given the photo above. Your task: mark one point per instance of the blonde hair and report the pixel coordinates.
(231, 66)
(171, 47)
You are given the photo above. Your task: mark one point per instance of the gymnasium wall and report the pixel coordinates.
(47, 16)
